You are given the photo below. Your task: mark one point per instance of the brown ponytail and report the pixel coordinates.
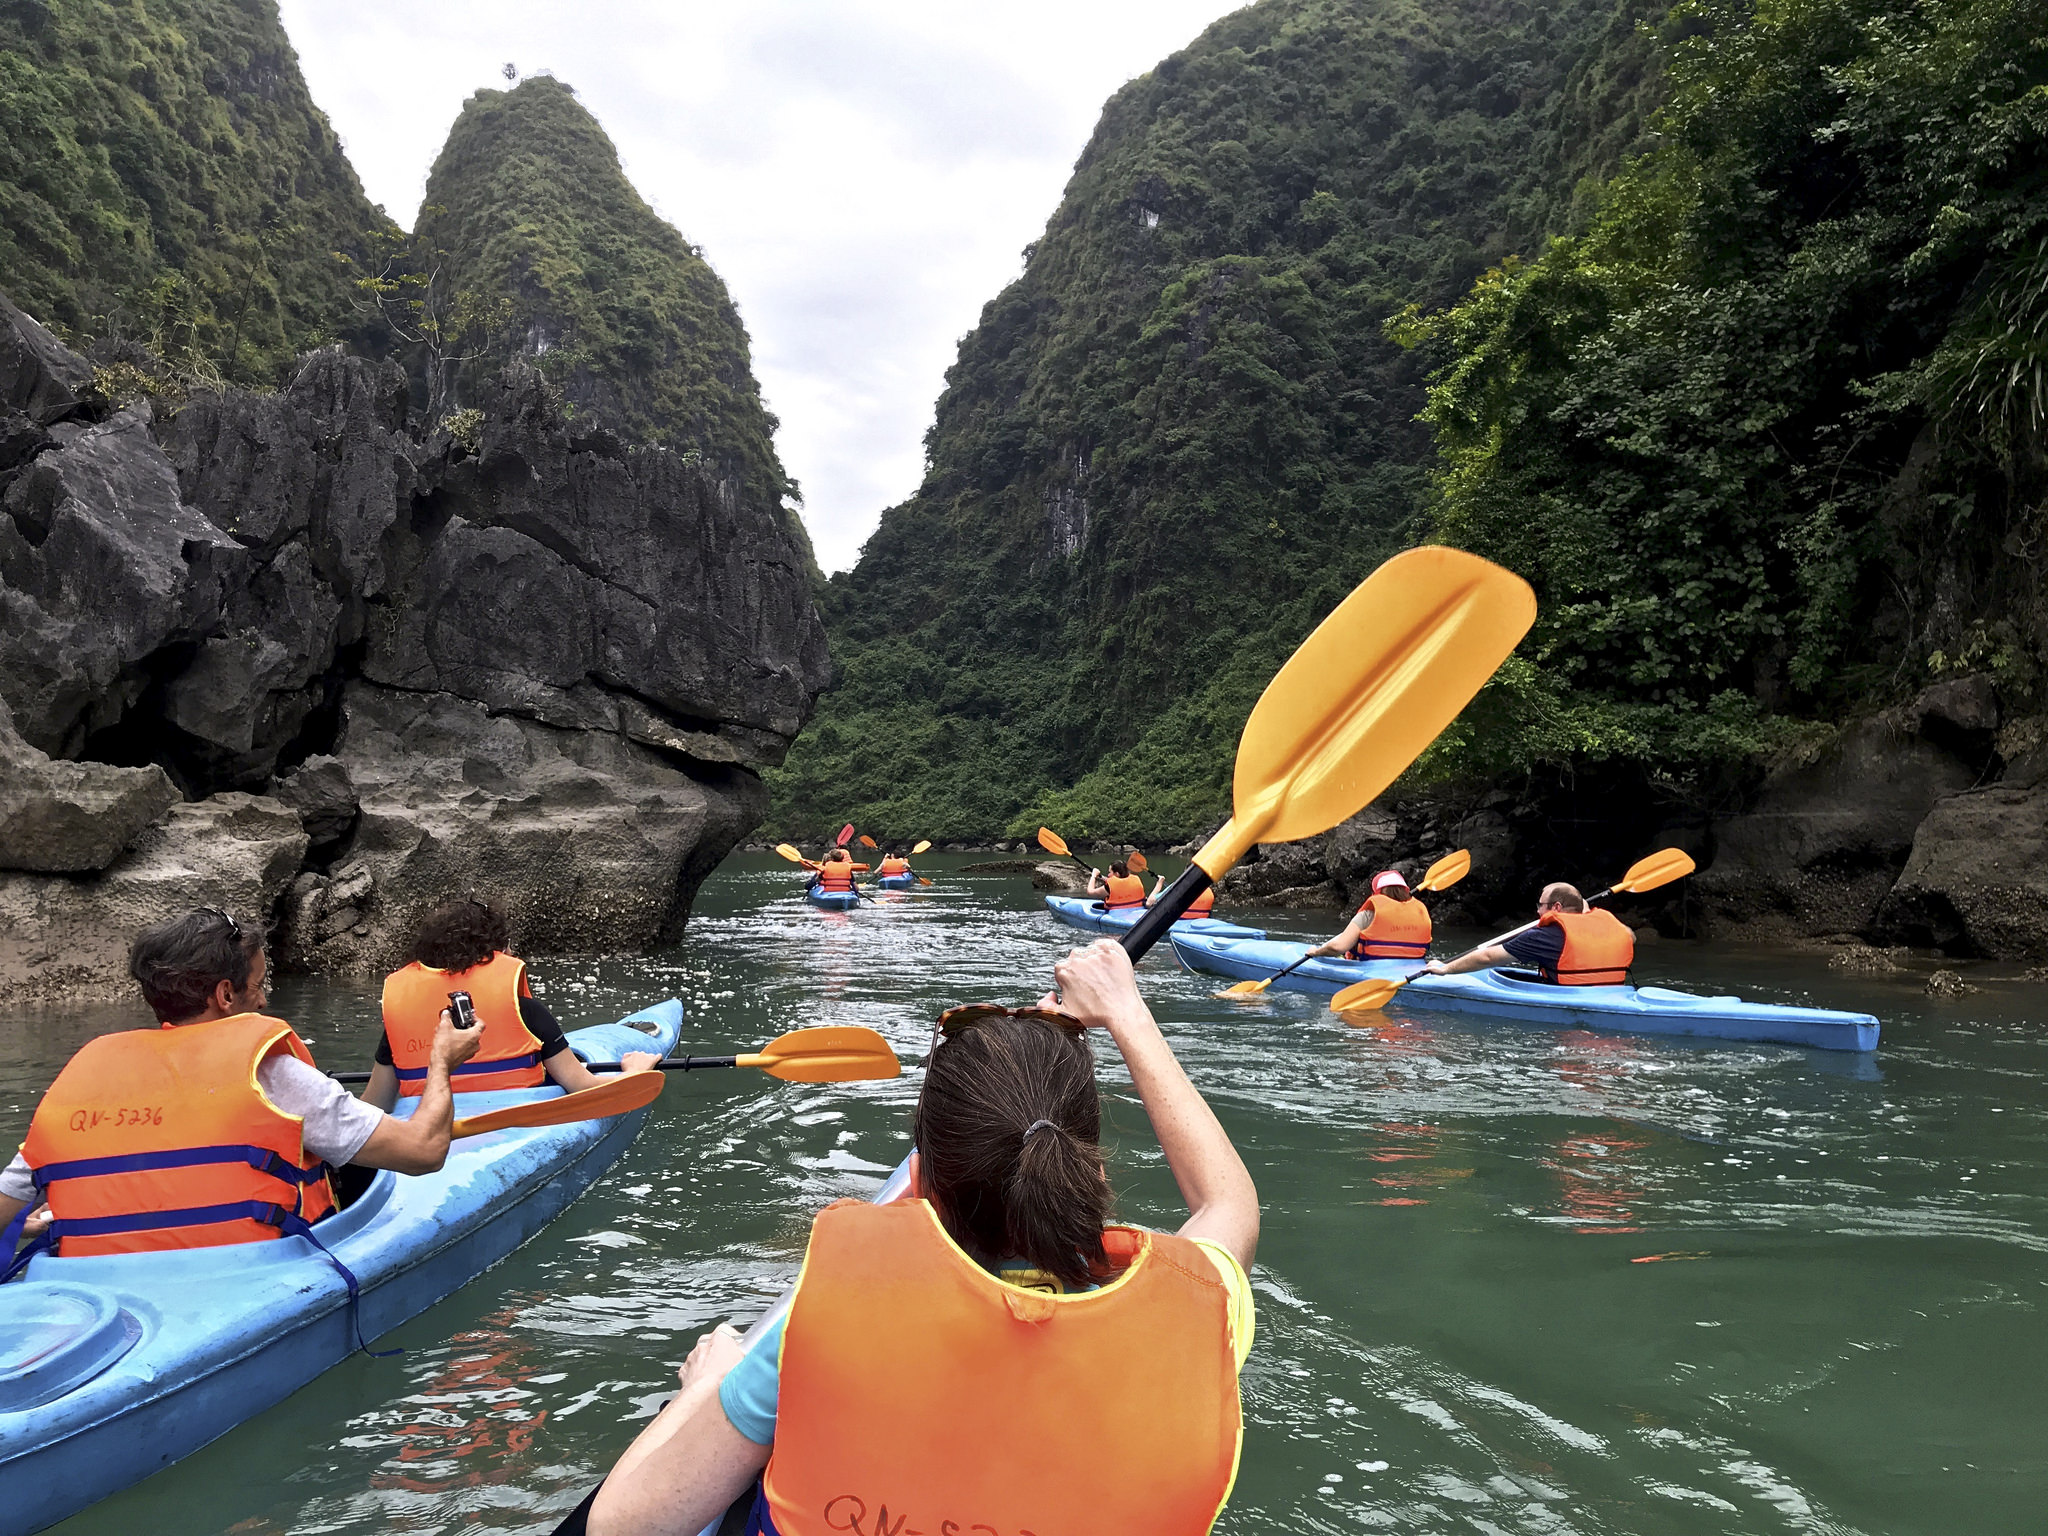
(1005, 1185)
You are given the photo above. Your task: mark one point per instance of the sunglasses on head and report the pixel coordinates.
(227, 917)
(953, 1020)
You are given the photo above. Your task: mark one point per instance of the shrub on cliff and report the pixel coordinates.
(165, 178)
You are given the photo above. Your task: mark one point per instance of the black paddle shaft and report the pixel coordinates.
(666, 1064)
(1160, 916)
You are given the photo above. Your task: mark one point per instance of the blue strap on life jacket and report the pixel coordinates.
(262, 1159)
(17, 1262)
(760, 1519)
(474, 1068)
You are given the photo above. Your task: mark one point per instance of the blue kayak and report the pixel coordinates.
(1506, 995)
(832, 901)
(896, 882)
(112, 1368)
(1081, 912)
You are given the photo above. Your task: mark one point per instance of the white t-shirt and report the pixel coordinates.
(337, 1123)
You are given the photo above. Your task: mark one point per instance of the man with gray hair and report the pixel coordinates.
(1569, 943)
(215, 1127)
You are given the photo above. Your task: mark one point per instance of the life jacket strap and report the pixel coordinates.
(264, 1160)
(1390, 949)
(17, 1262)
(474, 1068)
(298, 1226)
(760, 1519)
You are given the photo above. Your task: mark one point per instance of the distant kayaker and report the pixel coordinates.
(952, 1358)
(1120, 888)
(1203, 905)
(1570, 943)
(836, 873)
(893, 864)
(462, 946)
(1392, 925)
(216, 1127)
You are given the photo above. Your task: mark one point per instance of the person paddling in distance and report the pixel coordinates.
(836, 873)
(1570, 943)
(1203, 905)
(1393, 924)
(216, 1127)
(1118, 889)
(936, 1348)
(893, 864)
(463, 946)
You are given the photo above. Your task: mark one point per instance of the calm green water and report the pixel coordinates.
(1510, 1282)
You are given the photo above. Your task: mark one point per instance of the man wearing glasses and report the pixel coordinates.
(214, 1128)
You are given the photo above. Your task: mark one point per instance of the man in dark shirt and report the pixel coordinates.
(1537, 948)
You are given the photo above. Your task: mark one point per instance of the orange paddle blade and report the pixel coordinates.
(1052, 842)
(866, 841)
(1448, 870)
(1390, 667)
(1136, 863)
(1365, 996)
(1660, 868)
(834, 1053)
(614, 1096)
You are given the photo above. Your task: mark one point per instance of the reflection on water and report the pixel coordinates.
(1511, 1281)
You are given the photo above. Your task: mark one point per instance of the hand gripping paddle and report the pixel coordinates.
(1646, 874)
(1355, 705)
(1446, 871)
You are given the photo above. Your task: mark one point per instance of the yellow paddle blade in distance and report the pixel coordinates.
(835, 1053)
(1363, 995)
(1052, 842)
(1448, 870)
(1245, 988)
(1376, 683)
(614, 1096)
(1660, 868)
(789, 853)
(920, 848)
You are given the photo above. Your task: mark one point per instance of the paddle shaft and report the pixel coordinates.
(666, 1064)
(1168, 906)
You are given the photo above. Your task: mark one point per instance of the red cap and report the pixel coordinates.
(1387, 877)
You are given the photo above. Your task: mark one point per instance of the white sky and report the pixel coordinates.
(863, 175)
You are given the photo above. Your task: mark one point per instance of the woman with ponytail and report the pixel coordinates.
(991, 1351)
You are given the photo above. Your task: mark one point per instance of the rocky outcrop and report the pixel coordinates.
(1827, 837)
(535, 662)
(71, 818)
(69, 935)
(1977, 878)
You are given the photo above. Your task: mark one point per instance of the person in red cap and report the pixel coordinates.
(1392, 925)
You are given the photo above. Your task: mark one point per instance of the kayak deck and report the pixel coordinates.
(112, 1368)
(832, 901)
(1082, 912)
(1502, 995)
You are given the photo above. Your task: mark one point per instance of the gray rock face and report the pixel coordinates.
(1825, 840)
(61, 936)
(71, 818)
(1977, 880)
(310, 591)
(588, 840)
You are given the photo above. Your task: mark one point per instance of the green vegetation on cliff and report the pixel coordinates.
(1182, 434)
(1769, 435)
(527, 204)
(165, 178)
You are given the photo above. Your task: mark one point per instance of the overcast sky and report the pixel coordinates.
(863, 175)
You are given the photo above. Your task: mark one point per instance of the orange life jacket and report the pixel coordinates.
(895, 866)
(919, 1392)
(1124, 891)
(835, 875)
(509, 1056)
(1203, 904)
(160, 1138)
(1400, 930)
(1598, 948)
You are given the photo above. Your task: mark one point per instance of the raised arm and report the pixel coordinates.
(1098, 987)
